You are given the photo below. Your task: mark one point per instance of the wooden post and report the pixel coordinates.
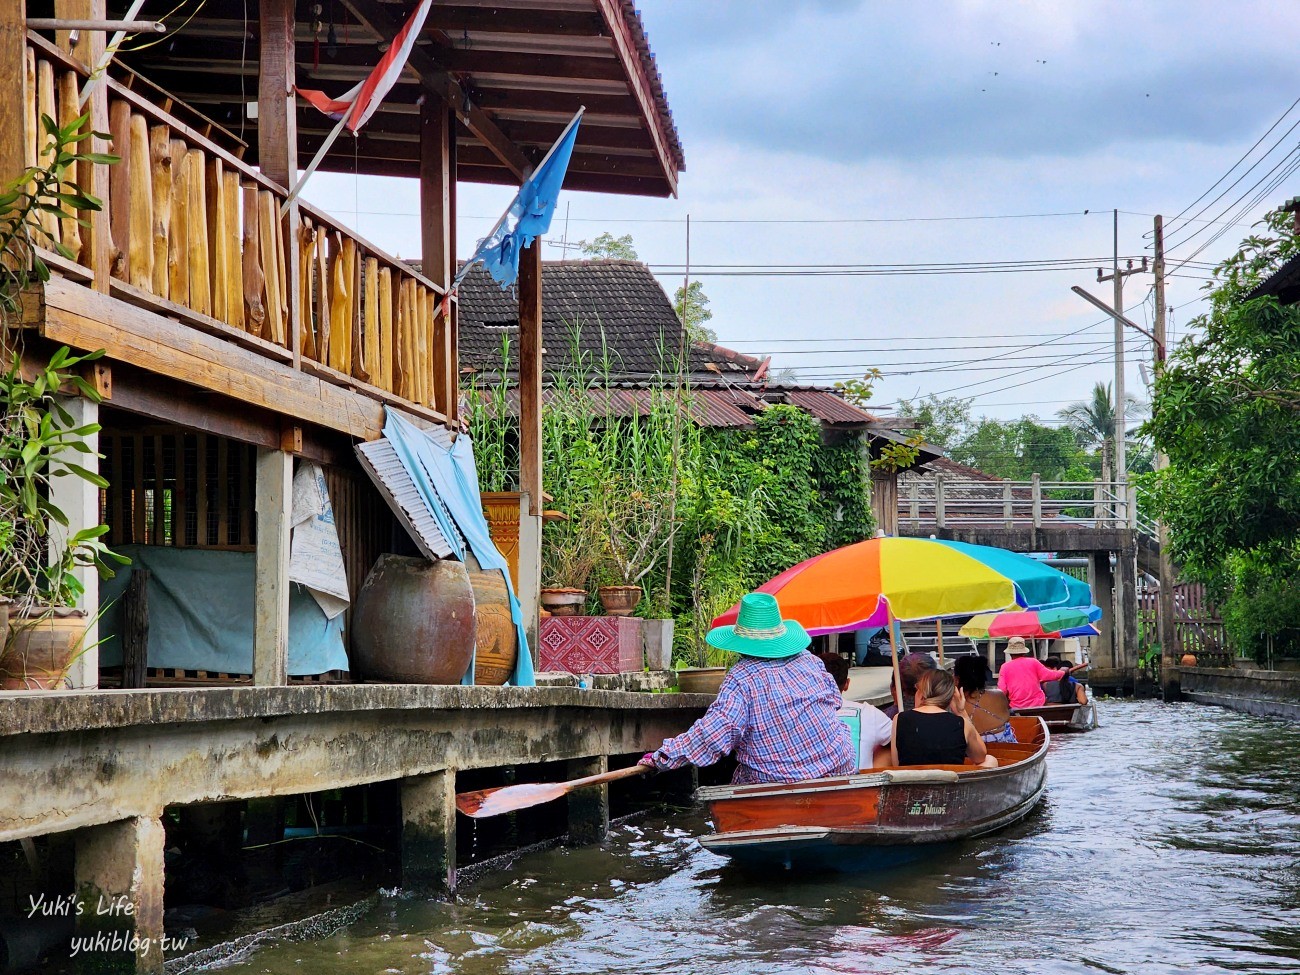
(94, 177)
(1166, 625)
(13, 123)
(135, 629)
(938, 501)
(530, 375)
(438, 240)
(277, 154)
(271, 574)
(893, 657)
(938, 632)
(529, 584)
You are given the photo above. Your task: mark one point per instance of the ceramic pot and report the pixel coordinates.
(564, 602)
(657, 641)
(39, 652)
(700, 680)
(1188, 660)
(619, 600)
(496, 642)
(413, 622)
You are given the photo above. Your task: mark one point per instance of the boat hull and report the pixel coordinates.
(880, 818)
(1063, 719)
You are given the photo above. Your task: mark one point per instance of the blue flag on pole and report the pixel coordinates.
(528, 217)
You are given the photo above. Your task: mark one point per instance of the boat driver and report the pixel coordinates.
(776, 709)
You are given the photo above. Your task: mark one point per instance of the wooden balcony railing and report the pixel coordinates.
(948, 502)
(197, 235)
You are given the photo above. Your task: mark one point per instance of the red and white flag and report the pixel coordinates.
(359, 103)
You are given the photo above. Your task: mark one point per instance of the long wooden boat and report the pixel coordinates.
(877, 817)
(1063, 718)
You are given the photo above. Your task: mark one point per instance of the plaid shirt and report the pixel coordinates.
(778, 716)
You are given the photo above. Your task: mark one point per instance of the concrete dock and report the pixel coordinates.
(103, 766)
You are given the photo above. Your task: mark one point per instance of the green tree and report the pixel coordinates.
(609, 246)
(1018, 449)
(941, 421)
(1092, 421)
(692, 307)
(1226, 411)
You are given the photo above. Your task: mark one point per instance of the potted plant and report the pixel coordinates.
(570, 551)
(638, 528)
(39, 438)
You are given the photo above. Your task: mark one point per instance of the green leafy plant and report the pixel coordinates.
(39, 437)
(47, 188)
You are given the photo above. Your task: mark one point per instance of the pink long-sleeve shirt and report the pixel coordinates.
(1021, 680)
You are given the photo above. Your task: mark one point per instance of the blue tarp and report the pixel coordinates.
(201, 614)
(449, 473)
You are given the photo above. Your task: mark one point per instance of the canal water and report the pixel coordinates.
(1169, 842)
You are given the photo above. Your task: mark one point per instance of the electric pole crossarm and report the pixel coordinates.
(1122, 319)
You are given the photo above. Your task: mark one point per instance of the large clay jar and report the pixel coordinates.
(414, 622)
(496, 641)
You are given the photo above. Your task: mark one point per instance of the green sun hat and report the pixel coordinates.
(759, 630)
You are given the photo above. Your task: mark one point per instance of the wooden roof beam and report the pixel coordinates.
(612, 11)
(438, 82)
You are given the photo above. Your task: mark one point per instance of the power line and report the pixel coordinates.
(1243, 158)
(774, 220)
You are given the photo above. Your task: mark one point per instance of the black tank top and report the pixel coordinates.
(931, 739)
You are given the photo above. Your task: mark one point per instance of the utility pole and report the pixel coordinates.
(1123, 579)
(1121, 414)
(1166, 623)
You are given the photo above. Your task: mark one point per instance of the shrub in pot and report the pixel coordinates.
(38, 441)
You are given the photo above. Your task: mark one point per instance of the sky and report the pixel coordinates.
(822, 136)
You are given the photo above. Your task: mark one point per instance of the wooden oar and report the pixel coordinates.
(509, 798)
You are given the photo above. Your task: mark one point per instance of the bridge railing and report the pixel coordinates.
(950, 502)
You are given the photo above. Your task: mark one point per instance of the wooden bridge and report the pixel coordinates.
(1095, 519)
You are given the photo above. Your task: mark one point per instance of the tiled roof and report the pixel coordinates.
(609, 309)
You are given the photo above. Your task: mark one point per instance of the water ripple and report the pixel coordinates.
(1169, 842)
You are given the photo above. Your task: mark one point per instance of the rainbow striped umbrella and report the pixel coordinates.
(868, 583)
(1040, 623)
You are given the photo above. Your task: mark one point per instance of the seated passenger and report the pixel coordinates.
(1067, 690)
(911, 668)
(989, 710)
(870, 727)
(931, 734)
(1022, 675)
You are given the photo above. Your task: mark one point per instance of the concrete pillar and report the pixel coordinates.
(1101, 579)
(119, 885)
(271, 572)
(1126, 609)
(79, 500)
(589, 807)
(429, 833)
(530, 568)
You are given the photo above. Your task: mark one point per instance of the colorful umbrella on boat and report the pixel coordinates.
(1041, 623)
(866, 583)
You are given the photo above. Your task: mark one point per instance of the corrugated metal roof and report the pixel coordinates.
(827, 407)
(386, 469)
